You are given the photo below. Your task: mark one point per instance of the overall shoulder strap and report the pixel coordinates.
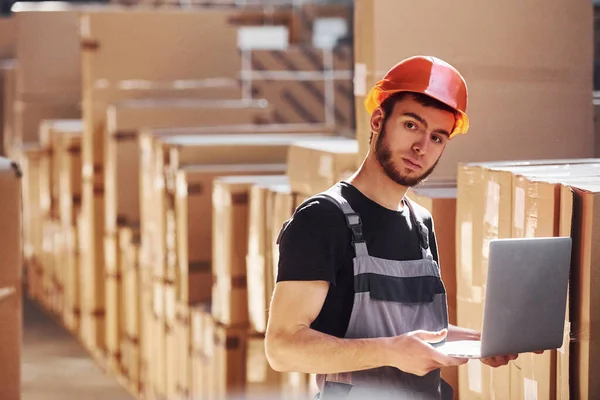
(353, 220)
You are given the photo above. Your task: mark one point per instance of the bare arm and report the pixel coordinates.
(291, 345)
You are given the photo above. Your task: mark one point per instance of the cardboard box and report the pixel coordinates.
(8, 37)
(49, 50)
(485, 212)
(10, 280)
(259, 261)
(92, 267)
(316, 166)
(508, 83)
(32, 213)
(193, 210)
(69, 185)
(28, 117)
(183, 335)
(262, 382)
(583, 294)
(51, 134)
(7, 99)
(161, 157)
(122, 156)
(284, 204)
(72, 292)
(230, 246)
(229, 361)
(174, 52)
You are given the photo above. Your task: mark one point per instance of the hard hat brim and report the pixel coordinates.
(377, 95)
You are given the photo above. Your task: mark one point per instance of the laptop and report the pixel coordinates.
(525, 300)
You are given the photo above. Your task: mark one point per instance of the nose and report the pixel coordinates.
(421, 146)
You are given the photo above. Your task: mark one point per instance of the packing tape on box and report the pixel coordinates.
(7, 291)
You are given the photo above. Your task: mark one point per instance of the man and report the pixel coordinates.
(359, 299)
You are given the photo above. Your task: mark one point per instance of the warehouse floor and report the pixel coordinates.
(56, 367)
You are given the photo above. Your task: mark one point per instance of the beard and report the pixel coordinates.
(383, 155)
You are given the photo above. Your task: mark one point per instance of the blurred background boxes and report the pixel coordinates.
(162, 147)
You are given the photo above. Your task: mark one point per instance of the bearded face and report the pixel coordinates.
(411, 140)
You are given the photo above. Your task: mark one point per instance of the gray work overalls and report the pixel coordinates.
(391, 298)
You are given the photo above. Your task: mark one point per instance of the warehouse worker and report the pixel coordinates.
(359, 299)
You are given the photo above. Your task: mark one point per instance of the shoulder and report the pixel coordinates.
(422, 214)
(316, 216)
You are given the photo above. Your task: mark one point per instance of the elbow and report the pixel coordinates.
(275, 352)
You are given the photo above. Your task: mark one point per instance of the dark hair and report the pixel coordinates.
(388, 105)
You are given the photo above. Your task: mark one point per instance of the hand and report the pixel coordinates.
(413, 353)
(499, 361)
(496, 362)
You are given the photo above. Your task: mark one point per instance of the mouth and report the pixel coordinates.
(412, 164)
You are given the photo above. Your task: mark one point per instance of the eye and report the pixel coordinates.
(437, 139)
(411, 126)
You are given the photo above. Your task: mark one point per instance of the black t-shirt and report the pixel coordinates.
(316, 245)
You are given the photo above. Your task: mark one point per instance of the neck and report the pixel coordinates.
(373, 182)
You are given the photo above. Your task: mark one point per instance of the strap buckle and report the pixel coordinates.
(355, 224)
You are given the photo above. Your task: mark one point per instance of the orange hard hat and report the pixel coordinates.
(427, 75)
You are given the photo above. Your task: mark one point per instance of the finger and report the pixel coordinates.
(539, 352)
(432, 337)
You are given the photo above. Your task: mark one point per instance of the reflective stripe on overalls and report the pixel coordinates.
(391, 298)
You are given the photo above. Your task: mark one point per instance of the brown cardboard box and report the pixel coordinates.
(10, 281)
(259, 261)
(262, 382)
(229, 361)
(174, 52)
(183, 334)
(193, 210)
(152, 167)
(69, 176)
(7, 99)
(8, 37)
(230, 246)
(202, 340)
(283, 208)
(122, 156)
(92, 268)
(583, 351)
(32, 215)
(508, 83)
(51, 134)
(441, 203)
(316, 166)
(28, 117)
(161, 157)
(484, 213)
(49, 50)
(72, 293)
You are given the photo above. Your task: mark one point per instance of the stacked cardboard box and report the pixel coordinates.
(8, 38)
(8, 87)
(10, 280)
(506, 200)
(32, 217)
(47, 80)
(514, 89)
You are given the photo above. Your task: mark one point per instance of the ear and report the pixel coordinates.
(377, 121)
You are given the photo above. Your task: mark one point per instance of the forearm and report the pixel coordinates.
(310, 351)
(456, 333)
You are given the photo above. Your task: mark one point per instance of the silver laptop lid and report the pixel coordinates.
(526, 295)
